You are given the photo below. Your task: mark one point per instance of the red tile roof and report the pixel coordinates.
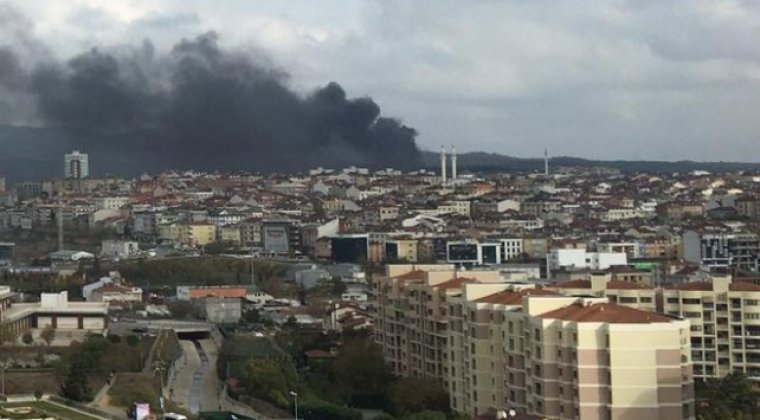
(412, 275)
(573, 284)
(511, 297)
(743, 286)
(693, 286)
(456, 283)
(605, 312)
(221, 292)
(626, 285)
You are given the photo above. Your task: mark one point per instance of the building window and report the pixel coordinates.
(628, 300)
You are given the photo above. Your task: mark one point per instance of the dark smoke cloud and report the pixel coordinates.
(204, 107)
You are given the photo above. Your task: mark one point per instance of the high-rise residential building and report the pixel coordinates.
(411, 323)
(725, 325)
(716, 249)
(541, 352)
(2, 184)
(76, 165)
(556, 357)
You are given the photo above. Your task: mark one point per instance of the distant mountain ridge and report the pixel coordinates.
(34, 154)
(492, 162)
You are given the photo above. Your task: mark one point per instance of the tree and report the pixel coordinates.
(251, 315)
(270, 380)
(361, 372)
(425, 415)
(414, 395)
(27, 338)
(75, 386)
(326, 411)
(730, 397)
(132, 340)
(48, 334)
(182, 309)
(38, 395)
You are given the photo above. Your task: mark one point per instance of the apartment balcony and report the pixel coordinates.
(752, 333)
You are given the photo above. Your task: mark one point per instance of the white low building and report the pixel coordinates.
(119, 249)
(54, 310)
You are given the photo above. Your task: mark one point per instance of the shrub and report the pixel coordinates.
(132, 340)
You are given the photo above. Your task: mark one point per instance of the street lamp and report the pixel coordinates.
(295, 397)
(160, 369)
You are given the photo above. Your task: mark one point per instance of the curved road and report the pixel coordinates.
(196, 389)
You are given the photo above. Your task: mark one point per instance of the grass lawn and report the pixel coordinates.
(48, 408)
(130, 388)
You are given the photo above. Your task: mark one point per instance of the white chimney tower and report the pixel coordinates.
(443, 165)
(453, 163)
(546, 162)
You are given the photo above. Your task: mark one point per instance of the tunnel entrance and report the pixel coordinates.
(193, 335)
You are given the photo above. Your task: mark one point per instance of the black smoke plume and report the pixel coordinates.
(199, 106)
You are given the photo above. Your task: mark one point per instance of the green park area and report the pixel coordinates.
(261, 371)
(40, 409)
(78, 371)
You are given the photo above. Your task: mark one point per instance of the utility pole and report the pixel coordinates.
(159, 369)
(253, 277)
(60, 224)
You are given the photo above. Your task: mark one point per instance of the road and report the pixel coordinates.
(195, 385)
(181, 383)
(211, 384)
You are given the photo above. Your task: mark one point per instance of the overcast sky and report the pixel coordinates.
(636, 79)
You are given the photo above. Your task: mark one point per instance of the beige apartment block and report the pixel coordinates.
(626, 293)
(725, 325)
(541, 352)
(411, 323)
(556, 357)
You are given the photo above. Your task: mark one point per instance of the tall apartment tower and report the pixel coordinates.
(443, 165)
(2, 184)
(76, 165)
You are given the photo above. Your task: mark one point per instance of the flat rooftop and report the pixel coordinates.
(22, 310)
